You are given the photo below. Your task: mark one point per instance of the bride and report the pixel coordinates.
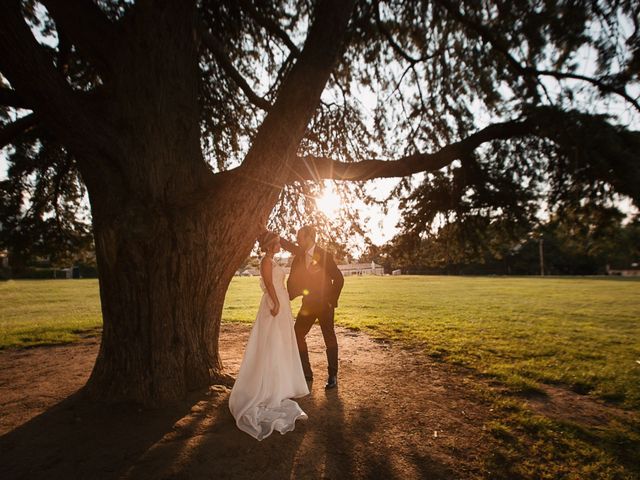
(271, 371)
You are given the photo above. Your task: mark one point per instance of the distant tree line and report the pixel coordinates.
(579, 241)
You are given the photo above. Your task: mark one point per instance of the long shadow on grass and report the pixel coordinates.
(198, 439)
(615, 440)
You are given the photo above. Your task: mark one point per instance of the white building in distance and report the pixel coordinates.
(351, 269)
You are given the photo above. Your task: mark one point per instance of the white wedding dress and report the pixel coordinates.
(271, 373)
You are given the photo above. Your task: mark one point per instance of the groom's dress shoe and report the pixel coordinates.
(332, 382)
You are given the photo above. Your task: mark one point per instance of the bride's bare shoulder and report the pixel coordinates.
(266, 265)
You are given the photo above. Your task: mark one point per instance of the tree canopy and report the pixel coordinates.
(505, 104)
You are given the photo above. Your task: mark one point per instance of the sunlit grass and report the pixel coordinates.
(36, 312)
(581, 332)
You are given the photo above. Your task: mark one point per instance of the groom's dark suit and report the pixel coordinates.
(320, 284)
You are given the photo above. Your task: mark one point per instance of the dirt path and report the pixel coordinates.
(396, 414)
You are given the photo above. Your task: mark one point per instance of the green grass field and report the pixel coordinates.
(37, 312)
(579, 333)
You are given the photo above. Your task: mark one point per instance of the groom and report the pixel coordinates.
(315, 276)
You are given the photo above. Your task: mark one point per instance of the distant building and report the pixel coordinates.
(351, 269)
(396, 272)
(247, 272)
(632, 270)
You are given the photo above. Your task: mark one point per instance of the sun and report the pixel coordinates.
(329, 202)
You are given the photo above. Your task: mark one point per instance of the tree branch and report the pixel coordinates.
(486, 35)
(9, 133)
(269, 25)
(399, 50)
(11, 98)
(29, 67)
(600, 84)
(86, 26)
(266, 166)
(217, 49)
(318, 168)
(283, 128)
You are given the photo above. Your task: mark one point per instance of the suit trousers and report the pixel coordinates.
(304, 321)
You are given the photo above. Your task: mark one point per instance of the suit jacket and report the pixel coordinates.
(321, 283)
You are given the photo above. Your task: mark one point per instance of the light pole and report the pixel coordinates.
(541, 249)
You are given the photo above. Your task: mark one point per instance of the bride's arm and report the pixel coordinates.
(266, 270)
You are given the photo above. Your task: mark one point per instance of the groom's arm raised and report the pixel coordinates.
(293, 286)
(291, 247)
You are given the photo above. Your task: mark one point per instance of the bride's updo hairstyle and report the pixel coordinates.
(266, 239)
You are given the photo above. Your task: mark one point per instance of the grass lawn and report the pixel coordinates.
(37, 312)
(579, 333)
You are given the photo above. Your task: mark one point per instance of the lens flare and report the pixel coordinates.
(329, 202)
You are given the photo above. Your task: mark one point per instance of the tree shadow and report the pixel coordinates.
(79, 439)
(198, 439)
(356, 448)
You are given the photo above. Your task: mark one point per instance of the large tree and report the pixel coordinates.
(188, 122)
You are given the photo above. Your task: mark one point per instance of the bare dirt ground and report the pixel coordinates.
(396, 414)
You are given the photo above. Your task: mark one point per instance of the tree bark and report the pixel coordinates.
(162, 267)
(163, 278)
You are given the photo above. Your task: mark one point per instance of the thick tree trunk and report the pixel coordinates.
(163, 269)
(163, 278)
